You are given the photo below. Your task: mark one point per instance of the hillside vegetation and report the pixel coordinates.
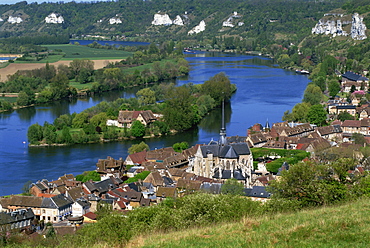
(347, 225)
(263, 21)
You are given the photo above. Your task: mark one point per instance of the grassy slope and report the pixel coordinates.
(339, 226)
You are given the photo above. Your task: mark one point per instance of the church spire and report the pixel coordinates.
(223, 129)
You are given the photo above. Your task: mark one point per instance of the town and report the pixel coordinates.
(148, 177)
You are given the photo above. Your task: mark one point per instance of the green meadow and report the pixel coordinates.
(82, 52)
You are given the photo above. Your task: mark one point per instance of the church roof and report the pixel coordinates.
(228, 152)
(233, 150)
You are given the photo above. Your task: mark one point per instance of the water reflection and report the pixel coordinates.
(212, 123)
(26, 113)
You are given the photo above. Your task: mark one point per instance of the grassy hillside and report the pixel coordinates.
(346, 225)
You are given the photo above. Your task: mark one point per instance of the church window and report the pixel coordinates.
(227, 165)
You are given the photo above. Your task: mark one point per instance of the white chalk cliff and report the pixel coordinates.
(230, 21)
(160, 19)
(334, 26)
(329, 27)
(199, 28)
(54, 18)
(178, 21)
(358, 27)
(114, 20)
(14, 19)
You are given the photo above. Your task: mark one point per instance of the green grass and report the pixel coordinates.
(82, 52)
(79, 86)
(346, 225)
(50, 59)
(3, 65)
(9, 99)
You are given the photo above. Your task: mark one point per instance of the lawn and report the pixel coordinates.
(9, 99)
(83, 52)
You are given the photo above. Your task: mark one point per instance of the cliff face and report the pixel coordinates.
(358, 28)
(199, 28)
(341, 25)
(54, 18)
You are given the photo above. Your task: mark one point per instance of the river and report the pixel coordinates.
(263, 93)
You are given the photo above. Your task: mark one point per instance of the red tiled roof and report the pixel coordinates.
(138, 158)
(351, 123)
(90, 215)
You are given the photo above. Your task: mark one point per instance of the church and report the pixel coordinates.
(224, 159)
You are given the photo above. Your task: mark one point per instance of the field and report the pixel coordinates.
(345, 225)
(82, 52)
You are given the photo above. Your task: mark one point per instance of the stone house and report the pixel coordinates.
(351, 79)
(332, 132)
(356, 126)
(18, 219)
(126, 117)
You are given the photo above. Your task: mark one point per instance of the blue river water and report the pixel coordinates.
(263, 93)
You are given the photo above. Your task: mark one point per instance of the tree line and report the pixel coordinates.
(182, 107)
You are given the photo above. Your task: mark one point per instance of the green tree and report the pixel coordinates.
(310, 184)
(63, 121)
(59, 86)
(345, 116)
(358, 139)
(80, 120)
(137, 129)
(35, 133)
(138, 148)
(146, 96)
(180, 146)
(334, 88)
(99, 120)
(88, 175)
(232, 187)
(317, 115)
(300, 111)
(218, 87)
(312, 94)
(178, 112)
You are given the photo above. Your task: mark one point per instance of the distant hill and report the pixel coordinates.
(263, 20)
(337, 226)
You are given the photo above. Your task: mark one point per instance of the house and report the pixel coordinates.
(295, 130)
(80, 207)
(256, 140)
(258, 193)
(364, 113)
(136, 158)
(41, 187)
(354, 126)
(332, 132)
(102, 187)
(19, 219)
(350, 109)
(18, 201)
(164, 192)
(126, 117)
(56, 208)
(353, 80)
(110, 167)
